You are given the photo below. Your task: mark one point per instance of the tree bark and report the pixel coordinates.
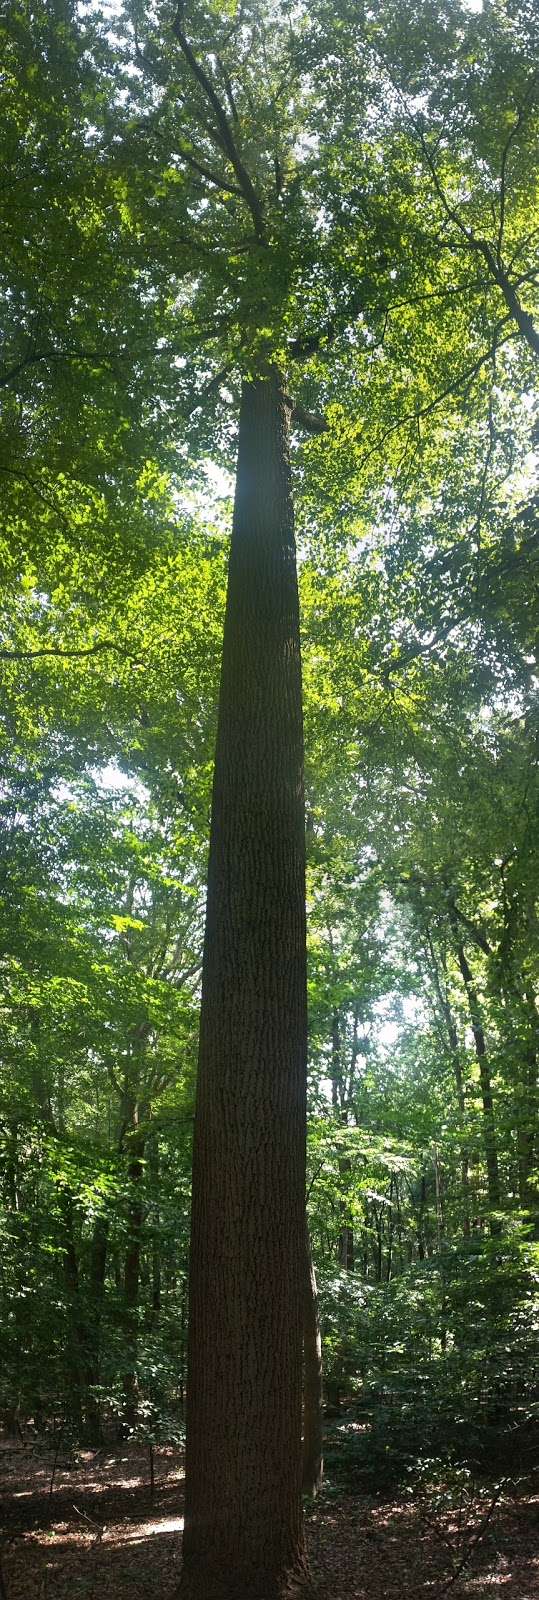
(132, 1272)
(390, 1225)
(312, 1378)
(243, 1519)
(75, 1353)
(153, 1165)
(527, 1117)
(421, 1220)
(489, 1131)
(345, 1247)
(453, 1042)
(93, 1433)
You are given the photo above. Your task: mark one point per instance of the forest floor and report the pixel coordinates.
(100, 1531)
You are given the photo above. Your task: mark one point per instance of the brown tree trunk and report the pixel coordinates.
(243, 1517)
(312, 1379)
(98, 1263)
(132, 1273)
(76, 1353)
(379, 1226)
(527, 1121)
(489, 1132)
(153, 1164)
(345, 1247)
(453, 1041)
(390, 1226)
(421, 1220)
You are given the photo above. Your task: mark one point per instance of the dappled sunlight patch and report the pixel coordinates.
(144, 1530)
(102, 1532)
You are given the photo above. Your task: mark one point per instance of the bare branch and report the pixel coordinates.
(68, 650)
(199, 399)
(476, 934)
(75, 354)
(223, 132)
(229, 89)
(516, 126)
(212, 177)
(310, 421)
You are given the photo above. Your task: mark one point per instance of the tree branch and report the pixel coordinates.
(35, 356)
(498, 272)
(225, 137)
(476, 934)
(68, 650)
(451, 388)
(212, 177)
(310, 421)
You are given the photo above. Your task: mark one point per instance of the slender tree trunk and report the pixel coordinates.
(421, 1220)
(366, 1226)
(243, 1518)
(156, 1241)
(132, 1274)
(182, 1341)
(465, 1154)
(489, 1132)
(389, 1258)
(346, 1233)
(440, 1225)
(76, 1354)
(98, 1264)
(312, 1379)
(452, 1037)
(440, 1244)
(378, 1222)
(527, 1125)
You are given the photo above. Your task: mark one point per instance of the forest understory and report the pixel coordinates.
(102, 1531)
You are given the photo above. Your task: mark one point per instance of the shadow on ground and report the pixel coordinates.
(101, 1533)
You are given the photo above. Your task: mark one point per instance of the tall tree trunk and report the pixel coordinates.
(243, 1517)
(489, 1131)
(98, 1264)
(390, 1225)
(379, 1226)
(453, 1042)
(421, 1219)
(132, 1273)
(440, 1245)
(345, 1248)
(76, 1352)
(527, 1123)
(312, 1378)
(153, 1166)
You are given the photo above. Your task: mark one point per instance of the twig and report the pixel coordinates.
(473, 1542)
(57, 1452)
(316, 1174)
(100, 1527)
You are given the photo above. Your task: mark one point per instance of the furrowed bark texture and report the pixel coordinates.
(243, 1525)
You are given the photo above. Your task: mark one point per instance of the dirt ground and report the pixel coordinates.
(100, 1533)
